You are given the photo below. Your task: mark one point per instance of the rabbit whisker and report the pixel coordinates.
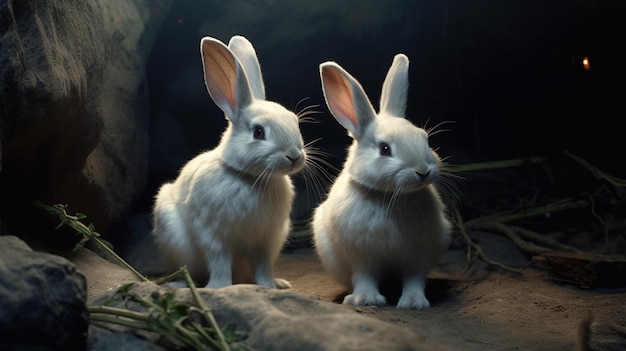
(315, 174)
(435, 129)
(299, 102)
(450, 188)
(318, 163)
(307, 145)
(320, 156)
(262, 179)
(392, 201)
(313, 180)
(304, 115)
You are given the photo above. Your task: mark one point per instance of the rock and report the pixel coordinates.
(279, 320)
(73, 123)
(42, 300)
(102, 339)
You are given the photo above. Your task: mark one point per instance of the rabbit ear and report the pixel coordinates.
(243, 49)
(225, 78)
(394, 93)
(346, 99)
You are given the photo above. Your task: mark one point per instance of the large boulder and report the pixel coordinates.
(42, 300)
(74, 104)
(271, 319)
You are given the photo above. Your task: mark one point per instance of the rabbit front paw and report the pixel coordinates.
(282, 283)
(415, 301)
(365, 299)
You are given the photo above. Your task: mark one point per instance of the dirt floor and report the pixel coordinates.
(480, 308)
(486, 309)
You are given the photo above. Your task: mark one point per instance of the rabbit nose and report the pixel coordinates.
(423, 176)
(294, 160)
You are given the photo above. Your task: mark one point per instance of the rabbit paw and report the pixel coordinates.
(282, 284)
(416, 301)
(365, 299)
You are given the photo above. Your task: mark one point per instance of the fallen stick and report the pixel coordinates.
(513, 215)
(597, 173)
(508, 231)
(479, 251)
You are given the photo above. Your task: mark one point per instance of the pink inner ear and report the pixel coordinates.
(220, 74)
(339, 97)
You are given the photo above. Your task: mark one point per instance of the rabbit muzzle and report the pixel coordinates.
(297, 160)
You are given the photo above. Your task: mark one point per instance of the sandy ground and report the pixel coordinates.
(480, 308)
(485, 309)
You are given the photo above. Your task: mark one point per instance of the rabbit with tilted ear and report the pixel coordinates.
(228, 210)
(383, 215)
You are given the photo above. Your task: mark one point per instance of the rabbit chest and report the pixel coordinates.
(369, 221)
(237, 208)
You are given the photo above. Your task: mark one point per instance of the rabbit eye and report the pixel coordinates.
(385, 149)
(259, 133)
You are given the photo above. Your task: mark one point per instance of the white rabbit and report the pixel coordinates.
(383, 215)
(228, 210)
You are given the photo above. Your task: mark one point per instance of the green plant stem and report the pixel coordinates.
(167, 278)
(185, 335)
(119, 321)
(142, 321)
(206, 311)
(215, 344)
(119, 316)
(88, 234)
(106, 248)
(118, 312)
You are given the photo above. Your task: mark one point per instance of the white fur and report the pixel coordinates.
(227, 213)
(383, 214)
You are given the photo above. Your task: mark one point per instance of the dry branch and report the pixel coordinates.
(509, 232)
(458, 219)
(513, 215)
(597, 173)
(481, 166)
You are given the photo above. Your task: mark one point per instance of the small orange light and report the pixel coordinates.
(586, 63)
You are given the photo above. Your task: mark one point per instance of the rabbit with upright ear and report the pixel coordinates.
(383, 215)
(228, 210)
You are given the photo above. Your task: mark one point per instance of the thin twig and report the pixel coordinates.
(118, 312)
(509, 216)
(206, 311)
(167, 278)
(88, 233)
(542, 239)
(476, 247)
(597, 173)
(511, 234)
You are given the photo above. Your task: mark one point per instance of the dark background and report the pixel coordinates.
(509, 74)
